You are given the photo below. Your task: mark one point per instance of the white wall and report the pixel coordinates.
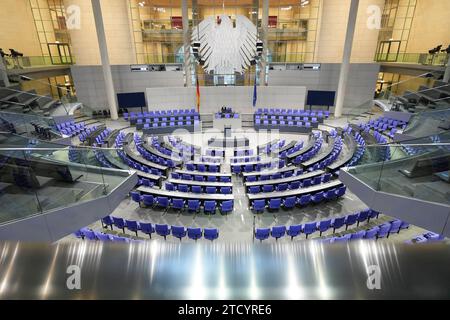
(239, 98)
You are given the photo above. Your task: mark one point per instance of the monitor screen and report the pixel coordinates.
(320, 98)
(131, 100)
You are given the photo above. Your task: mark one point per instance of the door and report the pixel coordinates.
(388, 51)
(60, 53)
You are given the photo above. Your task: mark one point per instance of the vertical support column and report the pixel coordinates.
(264, 37)
(186, 43)
(345, 65)
(101, 37)
(447, 71)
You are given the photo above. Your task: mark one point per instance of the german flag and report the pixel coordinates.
(198, 95)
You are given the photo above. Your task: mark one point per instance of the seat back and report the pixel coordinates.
(119, 222)
(178, 231)
(193, 204)
(211, 233)
(162, 229)
(294, 230)
(194, 233)
(132, 225)
(262, 233)
(146, 227)
(278, 231)
(274, 203)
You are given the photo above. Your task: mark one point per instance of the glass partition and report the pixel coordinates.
(418, 169)
(37, 176)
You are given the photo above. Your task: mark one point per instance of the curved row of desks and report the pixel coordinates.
(352, 145)
(285, 180)
(296, 192)
(185, 195)
(309, 146)
(322, 155)
(202, 173)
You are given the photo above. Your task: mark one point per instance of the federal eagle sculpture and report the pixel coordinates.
(226, 49)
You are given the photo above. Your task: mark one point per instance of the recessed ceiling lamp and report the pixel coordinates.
(286, 8)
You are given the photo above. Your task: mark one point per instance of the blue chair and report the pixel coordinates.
(282, 187)
(198, 178)
(170, 186)
(226, 206)
(278, 232)
(133, 226)
(136, 196)
(211, 190)
(147, 200)
(306, 183)
(225, 190)
(194, 233)
(211, 179)
(225, 179)
(289, 202)
(317, 180)
(358, 235)
(326, 177)
(88, 234)
(258, 206)
(262, 234)
(196, 189)
(395, 227)
(107, 222)
(304, 199)
(102, 236)
(362, 216)
(309, 228)
(162, 202)
(351, 220)
(294, 185)
(338, 223)
(323, 226)
(147, 228)
(372, 215)
(162, 230)
(178, 232)
(236, 169)
(404, 225)
(119, 223)
(384, 230)
(183, 188)
(371, 233)
(340, 191)
(274, 203)
(294, 231)
(178, 204)
(267, 188)
(190, 166)
(213, 169)
(193, 205)
(209, 207)
(330, 194)
(317, 197)
(211, 233)
(253, 189)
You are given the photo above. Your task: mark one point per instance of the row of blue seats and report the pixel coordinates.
(375, 233)
(202, 167)
(238, 168)
(137, 165)
(151, 156)
(100, 139)
(197, 189)
(309, 154)
(360, 150)
(158, 113)
(337, 148)
(286, 118)
(295, 112)
(71, 128)
(86, 132)
(86, 233)
(281, 123)
(166, 124)
(292, 185)
(182, 147)
(316, 226)
(258, 206)
(274, 146)
(278, 175)
(200, 178)
(160, 229)
(192, 205)
(100, 156)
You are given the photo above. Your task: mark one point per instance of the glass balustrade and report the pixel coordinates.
(38, 176)
(438, 59)
(36, 61)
